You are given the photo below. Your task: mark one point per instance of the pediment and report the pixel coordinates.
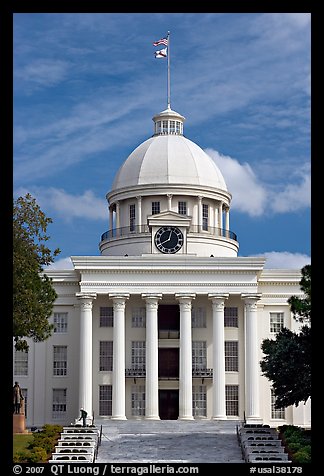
(169, 218)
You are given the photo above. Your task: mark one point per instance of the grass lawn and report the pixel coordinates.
(20, 442)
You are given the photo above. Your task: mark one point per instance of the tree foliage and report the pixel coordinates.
(287, 359)
(33, 293)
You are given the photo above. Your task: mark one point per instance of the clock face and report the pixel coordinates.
(168, 239)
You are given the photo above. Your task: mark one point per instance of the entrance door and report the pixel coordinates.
(169, 404)
(169, 363)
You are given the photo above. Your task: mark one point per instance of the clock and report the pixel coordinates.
(168, 239)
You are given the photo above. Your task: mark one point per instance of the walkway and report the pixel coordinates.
(168, 441)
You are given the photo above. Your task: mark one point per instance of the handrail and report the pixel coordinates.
(126, 231)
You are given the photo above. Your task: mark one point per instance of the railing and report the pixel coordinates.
(202, 373)
(126, 231)
(135, 373)
(141, 373)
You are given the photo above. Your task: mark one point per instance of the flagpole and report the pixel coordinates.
(168, 86)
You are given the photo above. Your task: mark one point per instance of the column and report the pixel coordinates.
(219, 399)
(169, 195)
(227, 220)
(111, 215)
(139, 213)
(152, 352)
(252, 369)
(118, 391)
(185, 375)
(220, 217)
(117, 218)
(85, 356)
(199, 213)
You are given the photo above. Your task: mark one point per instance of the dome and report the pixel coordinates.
(169, 159)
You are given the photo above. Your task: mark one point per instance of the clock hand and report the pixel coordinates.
(162, 243)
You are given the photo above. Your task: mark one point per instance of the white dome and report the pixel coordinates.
(169, 159)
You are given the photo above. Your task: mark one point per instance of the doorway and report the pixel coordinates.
(169, 404)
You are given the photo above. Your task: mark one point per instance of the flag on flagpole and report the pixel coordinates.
(162, 41)
(161, 53)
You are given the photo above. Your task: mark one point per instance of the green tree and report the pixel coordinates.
(33, 293)
(287, 359)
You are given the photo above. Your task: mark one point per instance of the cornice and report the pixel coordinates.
(173, 284)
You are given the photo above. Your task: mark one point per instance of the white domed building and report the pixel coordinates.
(167, 322)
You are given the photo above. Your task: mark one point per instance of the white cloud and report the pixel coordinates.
(67, 205)
(249, 196)
(62, 263)
(293, 197)
(285, 260)
(44, 72)
(254, 197)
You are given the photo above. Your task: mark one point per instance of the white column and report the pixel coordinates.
(139, 213)
(85, 356)
(199, 213)
(111, 215)
(152, 352)
(118, 391)
(252, 367)
(220, 216)
(227, 218)
(219, 400)
(117, 216)
(185, 371)
(169, 195)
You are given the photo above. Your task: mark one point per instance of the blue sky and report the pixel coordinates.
(86, 86)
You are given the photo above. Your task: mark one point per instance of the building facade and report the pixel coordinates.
(167, 322)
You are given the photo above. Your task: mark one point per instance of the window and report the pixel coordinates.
(276, 321)
(199, 355)
(276, 413)
(178, 127)
(60, 322)
(106, 355)
(132, 217)
(199, 400)
(106, 317)
(60, 360)
(182, 208)
(165, 127)
(138, 400)
(105, 400)
(59, 403)
(198, 317)
(205, 217)
(232, 400)
(231, 317)
(155, 208)
(138, 355)
(138, 317)
(158, 127)
(172, 127)
(231, 356)
(21, 362)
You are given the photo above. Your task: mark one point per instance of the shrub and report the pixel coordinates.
(20, 456)
(302, 456)
(38, 455)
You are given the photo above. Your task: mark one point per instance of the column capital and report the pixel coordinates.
(250, 300)
(151, 296)
(185, 296)
(217, 297)
(200, 197)
(118, 299)
(169, 195)
(86, 299)
(139, 197)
